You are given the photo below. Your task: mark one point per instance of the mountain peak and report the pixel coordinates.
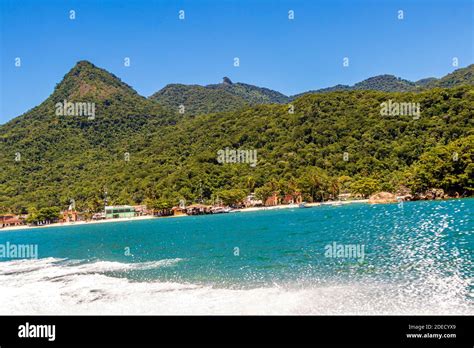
(85, 80)
(83, 64)
(226, 81)
(386, 83)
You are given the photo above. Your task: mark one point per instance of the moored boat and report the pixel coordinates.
(221, 210)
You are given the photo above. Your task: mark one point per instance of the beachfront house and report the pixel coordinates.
(178, 211)
(142, 210)
(119, 211)
(292, 198)
(69, 215)
(272, 200)
(252, 201)
(9, 220)
(198, 209)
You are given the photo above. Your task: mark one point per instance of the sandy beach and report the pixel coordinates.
(307, 205)
(91, 222)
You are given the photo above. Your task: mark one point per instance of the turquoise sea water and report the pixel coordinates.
(417, 258)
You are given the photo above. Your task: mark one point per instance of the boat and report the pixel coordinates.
(303, 205)
(221, 210)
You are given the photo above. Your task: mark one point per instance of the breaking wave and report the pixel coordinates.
(59, 286)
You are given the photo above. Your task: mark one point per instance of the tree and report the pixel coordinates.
(250, 183)
(232, 196)
(449, 167)
(315, 182)
(365, 186)
(344, 183)
(49, 214)
(264, 192)
(32, 215)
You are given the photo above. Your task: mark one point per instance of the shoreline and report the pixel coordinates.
(149, 217)
(307, 205)
(77, 223)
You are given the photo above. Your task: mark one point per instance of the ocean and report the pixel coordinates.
(410, 258)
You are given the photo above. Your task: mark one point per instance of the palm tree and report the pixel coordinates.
(250, 183)
(315, 181)
(335, 187)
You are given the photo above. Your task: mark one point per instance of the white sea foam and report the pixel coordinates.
(55, 286)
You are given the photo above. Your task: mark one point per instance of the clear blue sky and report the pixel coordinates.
(288, 56)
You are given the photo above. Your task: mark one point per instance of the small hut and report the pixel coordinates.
(272, 200)
(177, 211)
(9, 220)
(198, 209)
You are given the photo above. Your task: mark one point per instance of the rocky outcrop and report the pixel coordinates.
(434, 193)
(226, 81)
(404, 194)
(382, 197)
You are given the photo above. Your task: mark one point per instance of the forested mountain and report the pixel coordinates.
(224, 96)
(390, 83)
(195, 99)
(139, 152)
(385, 83)
(44, 155)
(426, 81)
(251, 94)
(228, 96)
(463, 76)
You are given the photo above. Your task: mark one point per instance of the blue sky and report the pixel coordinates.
(290, 56)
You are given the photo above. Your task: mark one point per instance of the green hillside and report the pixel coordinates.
(463, 76)
(197, 99)
(228, 96)
(390, 83)
(141, 152)
(385, 83)
(251, 94)
(225, 96)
